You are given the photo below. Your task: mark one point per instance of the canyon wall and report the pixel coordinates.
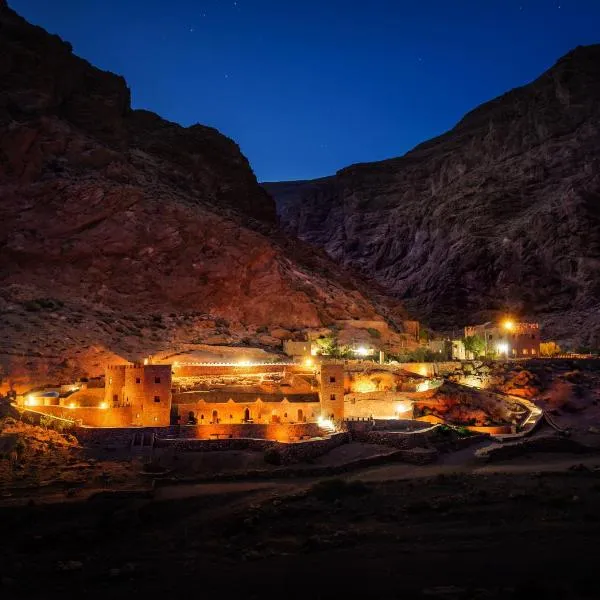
(502, 213)
(124, 234)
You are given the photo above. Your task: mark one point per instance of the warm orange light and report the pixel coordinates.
(72, 405)
(31, 400)
(364, 386)
(508, 325)
(309, 362)
(103, 405)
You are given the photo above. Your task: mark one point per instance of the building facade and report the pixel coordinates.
(509, 339)
(145, 389)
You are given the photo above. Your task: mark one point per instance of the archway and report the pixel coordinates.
(300, 415)
(215, 416)
(246, 414)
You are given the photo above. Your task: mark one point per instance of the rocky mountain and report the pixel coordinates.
(502, 213)
(122, 232)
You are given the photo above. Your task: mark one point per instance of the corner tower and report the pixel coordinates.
(148, 391)
(331, 391)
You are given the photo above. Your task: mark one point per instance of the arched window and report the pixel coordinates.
(215, 416)
(300, 415)
(246, 414)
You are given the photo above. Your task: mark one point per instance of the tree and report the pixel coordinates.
(474, 344)
(549, 349)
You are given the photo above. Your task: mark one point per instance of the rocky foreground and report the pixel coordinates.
(502, 213)
(123, 233)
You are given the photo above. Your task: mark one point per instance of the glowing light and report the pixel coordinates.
(244, 363)
(364, 386)
(31, 400)
(145, 361)
(325, 423)
(502, 348)
(309, 362)
(362, 351)
(72, 405)
(175, 364)
(508, 325)
(403, 407)
(103, 405)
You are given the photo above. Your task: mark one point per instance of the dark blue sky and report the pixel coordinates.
(307, 87)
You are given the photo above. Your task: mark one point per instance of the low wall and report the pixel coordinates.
(379, 405)
(289, 452)
(431, 369)
(119, 437)
(199, 370)
(88, 416)
(272, 431)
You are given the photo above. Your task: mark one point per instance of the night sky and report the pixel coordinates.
(309, 86)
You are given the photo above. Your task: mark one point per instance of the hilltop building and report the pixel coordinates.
(509, 338)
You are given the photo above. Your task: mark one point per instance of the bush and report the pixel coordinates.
(374, 332)
(43, 304)
(272, 456)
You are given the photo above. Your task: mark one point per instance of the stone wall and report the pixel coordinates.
(274, 431)
(88, 416)
(290, 452)
(238, 412)
(120, 437)
(379, 405)
(207, 369)
(431, 369)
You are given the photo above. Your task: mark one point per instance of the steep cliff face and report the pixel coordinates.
(500, 213)
(122, 231)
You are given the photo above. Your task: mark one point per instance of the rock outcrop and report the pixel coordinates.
(502, 213)
(122, 232)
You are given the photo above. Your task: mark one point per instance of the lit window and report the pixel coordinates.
(156, 398)
(533, 351)
(157, 380)
(110, 380)
(332, 397)
(514, 351)
(525, 351)
(332, 380)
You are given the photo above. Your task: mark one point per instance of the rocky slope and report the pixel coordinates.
(122, 232)
(502, 213)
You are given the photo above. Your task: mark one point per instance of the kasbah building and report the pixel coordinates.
(284, 401)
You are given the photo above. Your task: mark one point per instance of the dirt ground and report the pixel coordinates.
(516, 530)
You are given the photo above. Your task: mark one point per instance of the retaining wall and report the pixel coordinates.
(289, 452)
(89, 416)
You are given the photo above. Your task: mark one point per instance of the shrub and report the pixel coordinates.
(374, 332)
(272, 456)
(43, 304)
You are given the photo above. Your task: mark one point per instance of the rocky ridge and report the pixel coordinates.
(502, 213)
(123, 233)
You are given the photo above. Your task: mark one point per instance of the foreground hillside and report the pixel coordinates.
(122, 232)
(500, 213)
